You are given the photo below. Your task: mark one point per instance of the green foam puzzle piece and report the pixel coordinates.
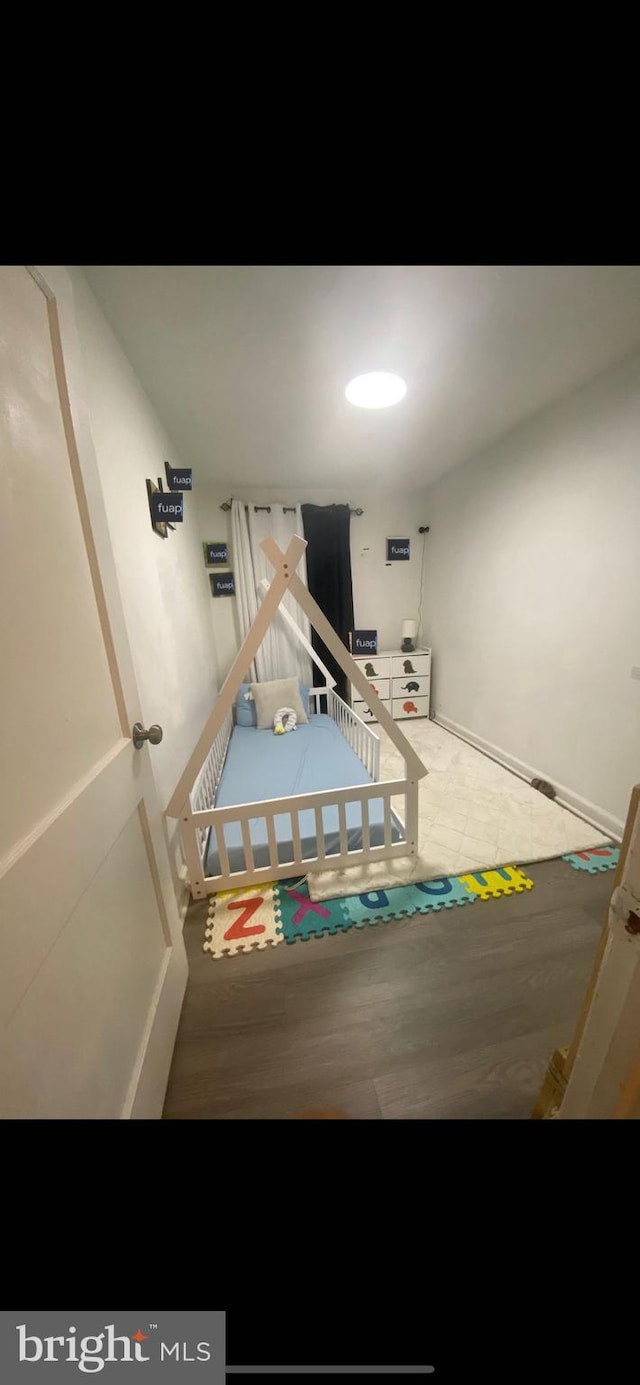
(301, 918)
(596, 859)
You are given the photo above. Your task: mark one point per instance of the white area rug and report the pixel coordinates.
(474, 814)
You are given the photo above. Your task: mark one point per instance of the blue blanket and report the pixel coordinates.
(314, 757)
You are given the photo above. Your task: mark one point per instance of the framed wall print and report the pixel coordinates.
(179, 478)
(364, 642)
(398, 550)
(216, 554)
(222, 584)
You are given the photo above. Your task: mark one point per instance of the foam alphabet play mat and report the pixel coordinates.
(259, 917)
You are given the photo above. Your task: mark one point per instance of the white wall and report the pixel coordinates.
(382, 595)
(532, 592)
(163, 583)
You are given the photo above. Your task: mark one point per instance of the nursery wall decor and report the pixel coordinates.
(179, 479)
(364, 642)
(222, 584)
(167, 507)
(398, 550)
(164, 507)
(159, 528)
(216, 554)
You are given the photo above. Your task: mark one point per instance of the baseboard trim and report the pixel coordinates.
(589, 812)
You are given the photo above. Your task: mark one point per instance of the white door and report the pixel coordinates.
(92, 962)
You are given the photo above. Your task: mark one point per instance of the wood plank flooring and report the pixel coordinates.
(451, 1015)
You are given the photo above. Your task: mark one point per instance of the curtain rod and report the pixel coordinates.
(288, 509)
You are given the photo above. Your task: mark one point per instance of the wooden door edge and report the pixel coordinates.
(562, 1061)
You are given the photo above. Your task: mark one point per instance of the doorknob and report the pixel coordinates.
(154, 734)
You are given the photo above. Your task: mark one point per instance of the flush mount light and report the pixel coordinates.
(377, 390)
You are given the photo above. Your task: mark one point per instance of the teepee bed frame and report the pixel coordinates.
(193, 800)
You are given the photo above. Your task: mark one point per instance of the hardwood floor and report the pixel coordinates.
(448, 1015)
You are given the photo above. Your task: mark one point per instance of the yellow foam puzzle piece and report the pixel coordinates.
(490, 884)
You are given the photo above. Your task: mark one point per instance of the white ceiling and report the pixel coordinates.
(247, 365)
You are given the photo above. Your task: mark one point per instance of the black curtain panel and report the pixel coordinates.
(327, 531)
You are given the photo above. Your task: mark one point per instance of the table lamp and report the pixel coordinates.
(409, 632)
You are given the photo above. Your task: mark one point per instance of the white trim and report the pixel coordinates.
(581, 807)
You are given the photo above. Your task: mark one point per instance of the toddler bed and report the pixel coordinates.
(315, 757)
(256, 807)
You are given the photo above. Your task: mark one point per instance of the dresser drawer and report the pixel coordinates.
(411, 707)
(381, 686)
(375, 667)
(412, 685)
(361, 710)
(408, 664)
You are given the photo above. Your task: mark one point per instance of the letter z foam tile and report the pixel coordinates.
(243, 919)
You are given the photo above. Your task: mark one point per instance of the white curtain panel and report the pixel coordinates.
(282, 654)
(246, 601)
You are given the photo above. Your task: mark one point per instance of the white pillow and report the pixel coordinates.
(270, 697)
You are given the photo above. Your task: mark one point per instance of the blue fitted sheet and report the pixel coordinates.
(314, 757)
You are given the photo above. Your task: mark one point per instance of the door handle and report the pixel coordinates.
(154, 735)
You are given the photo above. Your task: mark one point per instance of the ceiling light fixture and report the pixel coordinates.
(377, 390)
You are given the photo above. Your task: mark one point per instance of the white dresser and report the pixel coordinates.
(402, 682)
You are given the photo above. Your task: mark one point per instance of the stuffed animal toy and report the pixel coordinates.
(284, 720)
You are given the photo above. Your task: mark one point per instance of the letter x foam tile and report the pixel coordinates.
(380, 906)
(240, 920)
(300, 918)
(598, 858)
(490, 884)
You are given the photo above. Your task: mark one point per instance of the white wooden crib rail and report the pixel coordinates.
(299, 863)
(359, 736)
(201, 815)
(203, 794)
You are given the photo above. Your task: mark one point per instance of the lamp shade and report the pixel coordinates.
(409, 629)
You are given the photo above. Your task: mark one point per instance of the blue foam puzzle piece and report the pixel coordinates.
(380, 906)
